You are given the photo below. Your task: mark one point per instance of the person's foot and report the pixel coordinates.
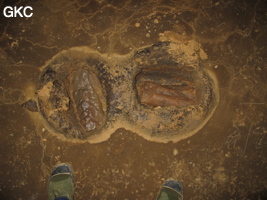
(171, 190)
(61, 183)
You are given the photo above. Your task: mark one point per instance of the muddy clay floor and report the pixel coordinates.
(132, 93)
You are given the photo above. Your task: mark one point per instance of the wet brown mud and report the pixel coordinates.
(106, 86)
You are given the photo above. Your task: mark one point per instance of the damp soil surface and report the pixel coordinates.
(132, 93)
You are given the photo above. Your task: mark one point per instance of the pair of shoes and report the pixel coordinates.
(61, 186)
(171, 190)
(61, 183)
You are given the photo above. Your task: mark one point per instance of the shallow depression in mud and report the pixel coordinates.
(161, 92)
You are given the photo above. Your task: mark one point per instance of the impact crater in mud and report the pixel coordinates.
(162, 92)
(72, 98)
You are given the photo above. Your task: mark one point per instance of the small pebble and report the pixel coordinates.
(137, 24)
(175, 152)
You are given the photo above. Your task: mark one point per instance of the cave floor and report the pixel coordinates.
(225, 159)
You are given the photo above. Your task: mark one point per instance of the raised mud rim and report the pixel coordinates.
(116, 75)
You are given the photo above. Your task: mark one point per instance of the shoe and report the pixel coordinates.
(171, 190)
(61, 182)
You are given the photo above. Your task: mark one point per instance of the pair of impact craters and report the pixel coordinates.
(161, 92)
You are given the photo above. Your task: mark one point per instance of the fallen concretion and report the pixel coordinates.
(157, 87)
(88, 99)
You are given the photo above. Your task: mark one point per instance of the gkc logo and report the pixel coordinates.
(20, 11)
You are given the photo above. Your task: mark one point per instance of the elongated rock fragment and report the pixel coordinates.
(88, 99)
(165, 88)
